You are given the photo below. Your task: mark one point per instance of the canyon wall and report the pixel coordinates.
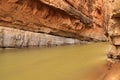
(80, 19)
(114, 30)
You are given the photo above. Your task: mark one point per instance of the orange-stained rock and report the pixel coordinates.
(81, 19)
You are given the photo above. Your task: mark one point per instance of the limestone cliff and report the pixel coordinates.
(81, 19)
(11, 38)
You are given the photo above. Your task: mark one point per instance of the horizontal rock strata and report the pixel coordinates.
(11, 38)
(81, 19)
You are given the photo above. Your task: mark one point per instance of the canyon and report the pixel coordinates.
(46, 23)
(76, 19)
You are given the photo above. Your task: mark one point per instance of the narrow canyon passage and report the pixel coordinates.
(47, 23)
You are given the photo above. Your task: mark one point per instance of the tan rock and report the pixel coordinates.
(114, 28)
(1, 37)
(116, 40)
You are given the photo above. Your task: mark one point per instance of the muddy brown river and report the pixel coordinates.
(78, 62)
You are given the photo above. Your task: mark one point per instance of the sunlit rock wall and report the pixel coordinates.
(80, 19)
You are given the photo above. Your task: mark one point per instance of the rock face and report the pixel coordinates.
(114, 30)
(11, 38)
(80, 19)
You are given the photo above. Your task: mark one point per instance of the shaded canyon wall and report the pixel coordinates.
(80, 19)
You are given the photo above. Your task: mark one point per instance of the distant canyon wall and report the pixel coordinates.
(79, 19)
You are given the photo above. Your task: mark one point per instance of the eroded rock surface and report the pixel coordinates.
(114, 30)
(12, 38)
(81, 19)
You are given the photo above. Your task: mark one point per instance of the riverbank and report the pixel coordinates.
(113, 72)
(108, 71)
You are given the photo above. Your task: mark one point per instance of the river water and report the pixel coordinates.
(76, 62)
